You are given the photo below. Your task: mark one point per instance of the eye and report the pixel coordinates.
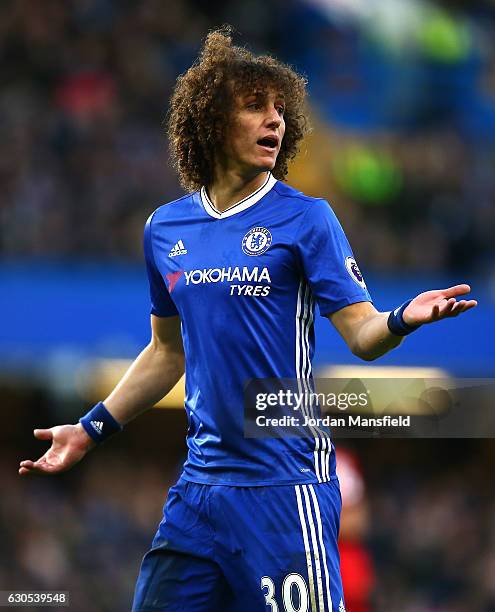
(254, 106)
(280, 109)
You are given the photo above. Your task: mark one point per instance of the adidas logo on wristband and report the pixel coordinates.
(97, 426)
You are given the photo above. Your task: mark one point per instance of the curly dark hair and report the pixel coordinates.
(204, 96)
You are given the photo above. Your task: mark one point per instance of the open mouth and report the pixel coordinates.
(270, 142)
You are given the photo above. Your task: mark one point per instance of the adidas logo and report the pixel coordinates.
(97, 426)
(178, 249)
(341, 606)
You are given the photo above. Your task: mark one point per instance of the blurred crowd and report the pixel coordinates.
(85, 534)
(429, 540)
(402, 95)
(431, 532)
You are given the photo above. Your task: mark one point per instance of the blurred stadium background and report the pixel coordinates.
(402, 98)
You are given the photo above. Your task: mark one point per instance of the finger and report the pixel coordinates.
(26, 470)
(456, 290)
(39, 468)
(43, 434)
(26, 467)
(462, 306)
(445, 307)
(34, 464)
(456, 309)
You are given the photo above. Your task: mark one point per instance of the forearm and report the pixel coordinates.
(372, 338)
(150, 377)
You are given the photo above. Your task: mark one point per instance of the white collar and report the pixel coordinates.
(238, 206)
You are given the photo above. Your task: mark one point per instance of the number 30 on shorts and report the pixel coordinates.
(293, 583)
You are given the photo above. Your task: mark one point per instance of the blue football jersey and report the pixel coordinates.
(244, 283)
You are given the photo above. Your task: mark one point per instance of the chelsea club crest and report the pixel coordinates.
(256, 241)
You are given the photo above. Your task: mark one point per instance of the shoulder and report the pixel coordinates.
(174, 208)
(299, 202)
(171, 210)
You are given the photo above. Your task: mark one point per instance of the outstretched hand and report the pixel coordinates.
(438, 304)
(69, 444)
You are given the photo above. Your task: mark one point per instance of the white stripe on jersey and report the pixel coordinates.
(316, 551)
(306, 371)
(323, 447)
(307, 548)
(320, 436)
(321, 599)
(322, 544)
(300, 370)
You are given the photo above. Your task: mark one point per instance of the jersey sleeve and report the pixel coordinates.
(161, 302)
(327, 260)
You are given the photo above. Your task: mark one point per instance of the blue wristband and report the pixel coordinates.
(396, 323)
(99, 424)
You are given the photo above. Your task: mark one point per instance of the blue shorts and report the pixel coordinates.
(243, 549)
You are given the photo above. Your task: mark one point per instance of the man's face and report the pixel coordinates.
(255, 132)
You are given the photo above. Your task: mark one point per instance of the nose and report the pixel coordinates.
(273, 118)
